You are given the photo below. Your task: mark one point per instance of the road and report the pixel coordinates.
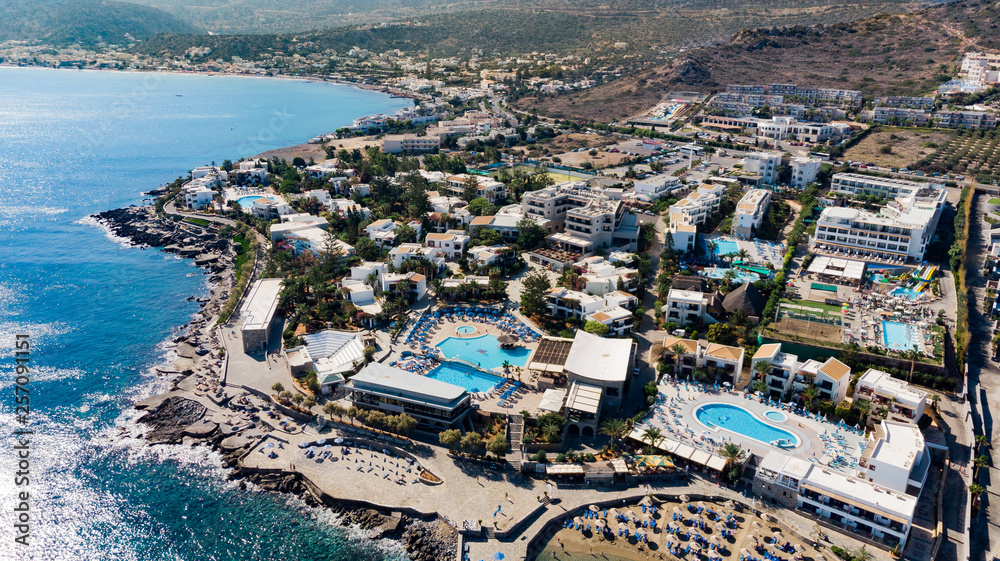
(983, 389)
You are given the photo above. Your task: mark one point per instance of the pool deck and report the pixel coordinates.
(673, 417)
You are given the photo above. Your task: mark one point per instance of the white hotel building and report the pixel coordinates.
(899, 232)
(750, 212)
(582, 219)
(877, 499)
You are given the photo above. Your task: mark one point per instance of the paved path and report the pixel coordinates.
(171, 208)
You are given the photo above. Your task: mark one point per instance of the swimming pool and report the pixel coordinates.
(246, 202)
(483, 351)
(725, 247)
(465, 329)
(720, 272)
(776, 416)
(740, 421)
(907, 293)
(465, 377)
(900, 336)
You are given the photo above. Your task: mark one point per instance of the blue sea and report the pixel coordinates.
(100, 313)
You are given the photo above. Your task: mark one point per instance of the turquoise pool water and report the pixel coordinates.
(483, 351)
(899, 336)
(720, 272)
(466, 329)
(776, 416)
(723, 247)
(907, 293)
(737, 419)
(245, 202)
(465, 377)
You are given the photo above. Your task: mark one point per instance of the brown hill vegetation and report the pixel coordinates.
(903, 54)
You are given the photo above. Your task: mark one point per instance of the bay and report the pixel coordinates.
(99, 312)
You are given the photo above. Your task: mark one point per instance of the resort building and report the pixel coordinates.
(450, 244)
(412, 285)
(564, 303)
(302, 233)
(602, 276)
(698, 205)
(410, 144)
(406, 251)
(620, 321)
(750, 212)
(605, 363)
(381, 232)
(492, 256)
(899, 116)
(895, 397)
(966, 119)
(330, 354)
(785, 376)
(657, 185)
(294, 222)
(680, 235)
(805, 170)
(486, 187)
(250, 172)
(724, 360)
(763, 164)
(257, 314)
(886, 187)
(435, 404)
(197, 195)
(686, 306)
(582, 219)
(861, 507)
(323, 169)
(271, 207)
(899, 233)
(687, 354)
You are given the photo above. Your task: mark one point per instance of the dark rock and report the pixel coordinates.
(170, 420)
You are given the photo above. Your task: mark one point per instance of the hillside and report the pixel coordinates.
(280, 16)
(63, 22)
(899, 54)
(546, 26)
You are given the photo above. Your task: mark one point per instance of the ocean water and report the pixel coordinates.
(100, 313)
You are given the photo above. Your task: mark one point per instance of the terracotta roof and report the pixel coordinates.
(690, 344)
(765, 351)
(724, 352)
(482, 221)
(835, 369)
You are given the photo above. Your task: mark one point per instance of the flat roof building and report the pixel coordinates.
(435, 404)
(258, 314)
(750, 212)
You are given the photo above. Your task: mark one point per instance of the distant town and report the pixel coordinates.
(734, 325)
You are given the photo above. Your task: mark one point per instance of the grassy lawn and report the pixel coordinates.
(818, 306)
(197, 221)
(241, 257)
(994, 201)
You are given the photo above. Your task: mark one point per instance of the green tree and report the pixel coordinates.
(529, 233)
(487, 236)
(498, 445)
(616, 429)
(405, 234)
(450, 438)
(596, 327)
(470, 189)
(731, 453)
(472, 442)
(862, 554)
(653, 436)
(809, 395)
(534, 286)
(482, 207)
(278, 388)
(367, 249)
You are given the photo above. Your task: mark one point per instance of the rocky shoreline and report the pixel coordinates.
(199, 409)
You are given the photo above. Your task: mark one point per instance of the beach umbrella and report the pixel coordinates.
(716, 541)
(685, 499)
(303, 444)
(720, 527)
(777, 537)
(593, 508)
(756, 524)
(677, 510)
(339, 441)
(613, 513)
(766, 517)
(498, 556)
(744, 552)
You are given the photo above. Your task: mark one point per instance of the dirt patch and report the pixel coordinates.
(898, 148)
(798, 329)
(307, 152)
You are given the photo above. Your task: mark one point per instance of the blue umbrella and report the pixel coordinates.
(498, 556)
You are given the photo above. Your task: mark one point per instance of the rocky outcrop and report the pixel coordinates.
(171, 419)
(144, 227)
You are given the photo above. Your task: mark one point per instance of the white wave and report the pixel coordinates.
(22, 211)
(91, 221)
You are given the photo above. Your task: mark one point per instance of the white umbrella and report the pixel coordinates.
(594, 508)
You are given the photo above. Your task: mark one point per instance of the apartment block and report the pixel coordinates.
(805, 170)
(901, 403)
(410, 144)
(750, 212)
(764, 164)
(582, 218)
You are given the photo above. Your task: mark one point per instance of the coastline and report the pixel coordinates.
(384, 89)
(196, 408)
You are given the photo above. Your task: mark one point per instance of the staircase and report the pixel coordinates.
(515, 431)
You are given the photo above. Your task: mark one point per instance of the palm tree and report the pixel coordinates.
(728, 277)
(677, 350)
(809, 395)
(652, 435)
(976, 489)
(743, 254)
(865, 407)
(712, 246)
(981, 441)
(761, 369)
(732, 454)
(862, 554)
(980, 462)
(615, 428)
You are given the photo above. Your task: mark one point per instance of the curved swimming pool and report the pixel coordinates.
(776, 416)
(737, 419)
(465, 329)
